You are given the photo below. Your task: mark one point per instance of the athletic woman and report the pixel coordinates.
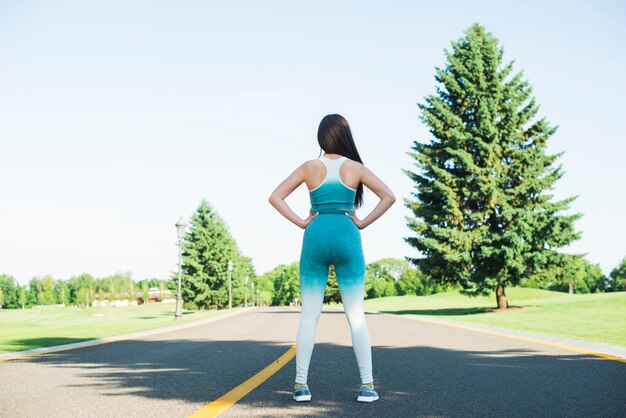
(332, 236)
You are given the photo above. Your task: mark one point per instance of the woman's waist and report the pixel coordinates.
(332, 223)
(339, 208)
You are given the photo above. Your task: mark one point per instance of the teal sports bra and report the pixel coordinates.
(332, 195)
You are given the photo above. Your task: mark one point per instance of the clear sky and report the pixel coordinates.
(118, 117)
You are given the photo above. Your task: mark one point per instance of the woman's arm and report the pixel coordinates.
(284, 189)
(381, 190)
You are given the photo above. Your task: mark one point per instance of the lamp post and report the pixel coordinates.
(230, 286)
(253, 294)
(245, 280)
(258, 295)
(180, 228)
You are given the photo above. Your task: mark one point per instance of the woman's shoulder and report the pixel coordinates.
(354, 163)
(354, 166)
(312, 163)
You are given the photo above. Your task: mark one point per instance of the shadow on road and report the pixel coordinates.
(443, 311)
(412, 381)
(431, 312)
(426, 381)
(325, 310)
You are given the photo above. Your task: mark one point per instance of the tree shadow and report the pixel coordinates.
(336, 311)
(412, 381)
(431, 312)
(439, 312)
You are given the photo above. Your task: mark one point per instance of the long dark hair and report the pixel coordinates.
(335, 137)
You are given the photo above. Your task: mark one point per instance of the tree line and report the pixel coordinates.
(281, 286)
(398, 277)
(80, 290)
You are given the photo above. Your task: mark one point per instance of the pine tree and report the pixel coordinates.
(482, 214)
(207, 248)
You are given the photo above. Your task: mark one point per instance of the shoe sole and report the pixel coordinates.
(367, 398)
(302, 398)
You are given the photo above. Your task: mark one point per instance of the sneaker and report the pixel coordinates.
(366, 394)
(301, 393)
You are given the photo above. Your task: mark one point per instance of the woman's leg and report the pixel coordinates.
(351, 279)
(312, 298)
(313, 277)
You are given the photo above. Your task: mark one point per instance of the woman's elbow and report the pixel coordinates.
(273, 199)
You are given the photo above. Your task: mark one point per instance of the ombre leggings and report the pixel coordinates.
(332, 239)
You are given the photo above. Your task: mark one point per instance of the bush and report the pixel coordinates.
(191, 306)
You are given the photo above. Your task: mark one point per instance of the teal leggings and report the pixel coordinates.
(332, 239)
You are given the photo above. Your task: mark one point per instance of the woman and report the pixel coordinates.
(335, 182)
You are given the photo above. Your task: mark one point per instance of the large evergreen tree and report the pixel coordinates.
(482, 214)
(207, 248)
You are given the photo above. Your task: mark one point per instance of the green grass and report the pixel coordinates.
(34, 328)
(599, 317)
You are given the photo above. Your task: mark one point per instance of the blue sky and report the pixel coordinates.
(118, 117)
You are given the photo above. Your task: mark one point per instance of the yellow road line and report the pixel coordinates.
(227, 400)
(517, 337)
(114, 339)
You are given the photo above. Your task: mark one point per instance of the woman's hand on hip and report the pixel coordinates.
(307, 221)
(359, 223)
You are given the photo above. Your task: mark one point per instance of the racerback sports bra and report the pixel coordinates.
(332, 195)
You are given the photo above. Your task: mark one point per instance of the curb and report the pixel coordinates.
(106, 340)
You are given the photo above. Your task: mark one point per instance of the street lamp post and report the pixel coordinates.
(245, 280)
(180, 228)
(253, 294)
(230, 286)
(258, 295)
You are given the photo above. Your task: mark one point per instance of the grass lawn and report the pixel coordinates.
(44, 327)
(599, 317)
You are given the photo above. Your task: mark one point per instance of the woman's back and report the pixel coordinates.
(348, 172)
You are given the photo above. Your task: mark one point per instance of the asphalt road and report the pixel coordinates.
(423, 370)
